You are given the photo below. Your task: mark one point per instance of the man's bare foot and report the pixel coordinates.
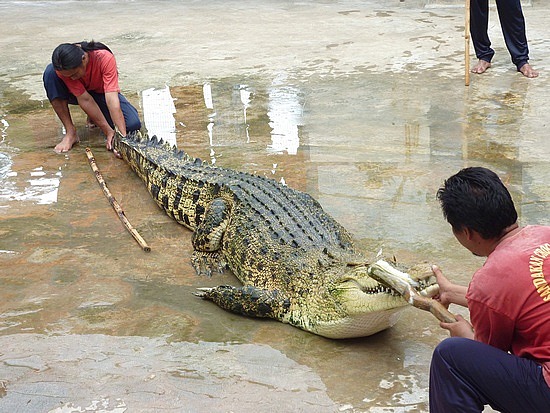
(66, 143)
(528, 71)
(481, 67)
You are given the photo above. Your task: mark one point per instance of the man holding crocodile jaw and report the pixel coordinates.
(502, 359)
(86, 74)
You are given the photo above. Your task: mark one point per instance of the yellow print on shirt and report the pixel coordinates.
(536, 267)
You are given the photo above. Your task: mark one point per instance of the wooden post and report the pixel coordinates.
(114, 202)
(467, 43)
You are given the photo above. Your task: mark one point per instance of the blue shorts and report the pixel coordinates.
(56, 89)
(466, 375)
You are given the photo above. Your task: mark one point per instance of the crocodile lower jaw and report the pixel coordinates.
(360, 325)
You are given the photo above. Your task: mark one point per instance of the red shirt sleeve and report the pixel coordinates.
(108, 72)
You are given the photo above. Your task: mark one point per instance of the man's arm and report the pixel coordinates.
(109, 74)
(449, 293)
(460, 328)
(113, 103)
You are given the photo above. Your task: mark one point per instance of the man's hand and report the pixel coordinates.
(109, 145)
(449, 293)
(109, 141)
(460, 328)
(445, 286)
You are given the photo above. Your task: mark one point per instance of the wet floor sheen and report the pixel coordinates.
(284, 91)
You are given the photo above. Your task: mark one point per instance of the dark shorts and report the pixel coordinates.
(466, 375)
(56, 89)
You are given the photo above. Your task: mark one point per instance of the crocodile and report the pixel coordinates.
(295, 262)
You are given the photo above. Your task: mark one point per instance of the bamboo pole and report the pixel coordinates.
(114, 202)
(467, 43)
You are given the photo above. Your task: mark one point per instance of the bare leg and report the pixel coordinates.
(481, 67)
(528, 71)
(61, 108)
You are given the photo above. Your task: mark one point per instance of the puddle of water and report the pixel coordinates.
(375, 180)
(91, 278)
(74, 270)
(138, 374)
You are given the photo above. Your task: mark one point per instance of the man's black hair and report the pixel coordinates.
(476, 198)
(68, 56)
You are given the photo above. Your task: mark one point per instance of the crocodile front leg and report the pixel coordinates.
(208, 236)
(248, 300)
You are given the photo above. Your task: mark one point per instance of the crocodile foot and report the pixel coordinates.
(205, 263)
(247, 300)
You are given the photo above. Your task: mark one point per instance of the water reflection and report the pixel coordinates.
(245, 94)
(280, 104)
(4, 129)
(40, 186)
(285, 116)
(158, 114)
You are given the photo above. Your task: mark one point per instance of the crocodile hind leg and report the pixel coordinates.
(208, 236)
(248, 300)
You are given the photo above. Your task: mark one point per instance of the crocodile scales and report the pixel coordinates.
(295, 262)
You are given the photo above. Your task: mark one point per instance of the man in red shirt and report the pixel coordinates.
(86, 74)
(502, 358)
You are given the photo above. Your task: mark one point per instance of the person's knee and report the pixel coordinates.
(447, 349)
(456, 353)
(47, 77)
(133, 124)
(54, 86)
(131, 115)
(49, 71)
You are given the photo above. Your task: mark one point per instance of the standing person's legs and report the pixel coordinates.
(479, 24)
(131, 116)
(60, 97)
(465, 375)
(512, 23)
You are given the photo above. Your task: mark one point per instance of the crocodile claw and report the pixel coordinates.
(202, 292)
(205, 263)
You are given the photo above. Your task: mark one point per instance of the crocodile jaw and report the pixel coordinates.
(369, 306)
(360, 325)
(367, 313)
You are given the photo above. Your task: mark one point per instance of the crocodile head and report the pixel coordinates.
(365, 306)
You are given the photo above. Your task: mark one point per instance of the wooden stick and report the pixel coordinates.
(114, 202)
(467, 43)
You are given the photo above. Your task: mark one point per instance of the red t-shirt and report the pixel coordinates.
(509, 297)
(101, 75)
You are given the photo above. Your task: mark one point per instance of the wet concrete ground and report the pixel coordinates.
(361, 104)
